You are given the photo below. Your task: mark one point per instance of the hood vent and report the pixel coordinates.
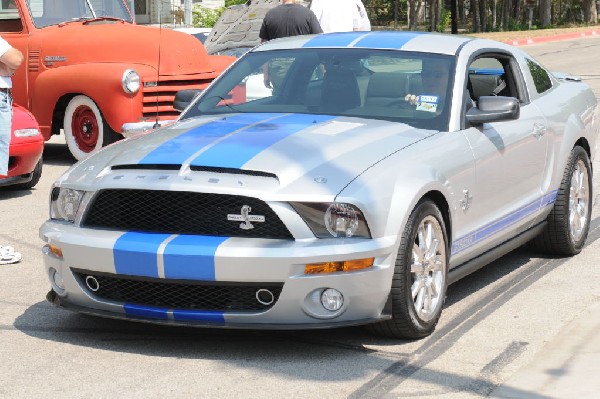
(195, 168)
(147, 167)
(232, 171)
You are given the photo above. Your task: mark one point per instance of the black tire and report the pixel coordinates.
(408, 319)
(569, 220)
(35, 178)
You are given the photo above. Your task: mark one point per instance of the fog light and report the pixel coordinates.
(332, 299)
(56, 280)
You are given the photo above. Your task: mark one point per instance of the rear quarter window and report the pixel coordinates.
(541, 79)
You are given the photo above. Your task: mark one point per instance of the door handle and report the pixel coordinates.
(538, 130)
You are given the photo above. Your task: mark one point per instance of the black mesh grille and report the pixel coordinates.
(184, 295)
(181, 212)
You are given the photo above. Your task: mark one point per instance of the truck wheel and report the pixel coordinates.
(85, 129)
(420, 276)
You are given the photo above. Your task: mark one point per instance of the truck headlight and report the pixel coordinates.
(64, 203)
(130, 81)
(335, 219)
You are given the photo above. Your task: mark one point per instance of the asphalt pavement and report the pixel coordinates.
(568, 366)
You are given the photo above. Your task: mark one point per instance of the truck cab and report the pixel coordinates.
(92, 73)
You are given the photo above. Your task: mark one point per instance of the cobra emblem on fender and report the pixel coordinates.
(246, 218)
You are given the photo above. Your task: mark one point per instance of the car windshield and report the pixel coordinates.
(407, 87)
(54, 12)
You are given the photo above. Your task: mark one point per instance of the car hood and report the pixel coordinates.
(278, 153)
(178, 52)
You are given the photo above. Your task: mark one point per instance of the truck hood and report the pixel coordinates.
(116, 42)
(278, 153)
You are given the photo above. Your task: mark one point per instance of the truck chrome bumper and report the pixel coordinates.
(134, 128)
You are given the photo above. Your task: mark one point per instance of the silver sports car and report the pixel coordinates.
(380, 168)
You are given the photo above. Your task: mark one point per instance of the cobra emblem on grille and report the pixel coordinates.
(246, 218)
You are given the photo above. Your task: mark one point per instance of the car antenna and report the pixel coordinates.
(160, 16)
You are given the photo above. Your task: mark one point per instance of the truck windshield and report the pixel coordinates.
(54, 12)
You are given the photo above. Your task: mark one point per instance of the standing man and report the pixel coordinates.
(341, 15)
(287, 19)
(10, 60)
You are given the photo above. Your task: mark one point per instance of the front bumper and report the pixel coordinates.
(233, 260)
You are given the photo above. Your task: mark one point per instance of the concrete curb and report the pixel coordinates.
(553, 38)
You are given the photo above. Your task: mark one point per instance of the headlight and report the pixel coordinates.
(130, 81)
(64, 203)
(335, 219)
(26, 132)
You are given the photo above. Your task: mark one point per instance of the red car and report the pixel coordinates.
(25, 154)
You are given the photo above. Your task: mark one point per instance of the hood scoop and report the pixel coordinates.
(146, 167)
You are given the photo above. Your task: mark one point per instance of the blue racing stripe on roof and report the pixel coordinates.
(341, 39)
(387, 39)
(236, 150)
(135, 254)
(146, 311)
(208, 316)
(191, 257)
(180, 148)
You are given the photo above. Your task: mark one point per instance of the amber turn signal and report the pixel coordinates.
(56, 251)
(343, 266)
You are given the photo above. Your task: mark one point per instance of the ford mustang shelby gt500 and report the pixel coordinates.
(381, 168)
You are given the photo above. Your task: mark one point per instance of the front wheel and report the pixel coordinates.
(420, 276)
(85, 129)
(569, 220)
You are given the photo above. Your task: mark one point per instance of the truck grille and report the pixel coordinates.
(179, 294)
(181, 212)
(158, 99)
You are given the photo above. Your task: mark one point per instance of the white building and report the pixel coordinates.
(168, 12)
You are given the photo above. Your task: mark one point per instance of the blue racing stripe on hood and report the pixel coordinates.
(342, 39)
(388, 39)
(191, 257)
(135, 254)
(180, 148)
(236, 150)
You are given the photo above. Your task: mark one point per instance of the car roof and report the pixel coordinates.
(425, 42)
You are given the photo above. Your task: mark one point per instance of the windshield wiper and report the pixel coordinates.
(103, 18)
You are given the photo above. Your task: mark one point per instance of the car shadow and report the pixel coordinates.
(58, 154)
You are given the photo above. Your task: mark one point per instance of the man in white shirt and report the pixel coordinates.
(341, 15)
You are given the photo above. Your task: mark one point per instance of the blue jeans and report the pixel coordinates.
(5, 130)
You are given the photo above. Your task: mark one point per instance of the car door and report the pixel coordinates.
(510, 162)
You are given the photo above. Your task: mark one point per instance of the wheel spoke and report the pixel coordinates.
(416, 287)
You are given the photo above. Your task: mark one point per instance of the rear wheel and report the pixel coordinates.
(569, 220)
(420, 276)
(85, 129)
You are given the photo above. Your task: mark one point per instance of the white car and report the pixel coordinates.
(355, 194)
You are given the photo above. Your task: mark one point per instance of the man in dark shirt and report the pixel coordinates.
(287, 19)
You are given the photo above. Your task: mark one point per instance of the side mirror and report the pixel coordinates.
(183, 98)
(494, 109)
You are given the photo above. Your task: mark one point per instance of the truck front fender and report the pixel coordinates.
(101, 82)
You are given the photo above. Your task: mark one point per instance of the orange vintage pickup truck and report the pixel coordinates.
(91, 72)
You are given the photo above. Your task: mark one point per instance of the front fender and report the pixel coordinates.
(388, 191)
(101, 82)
